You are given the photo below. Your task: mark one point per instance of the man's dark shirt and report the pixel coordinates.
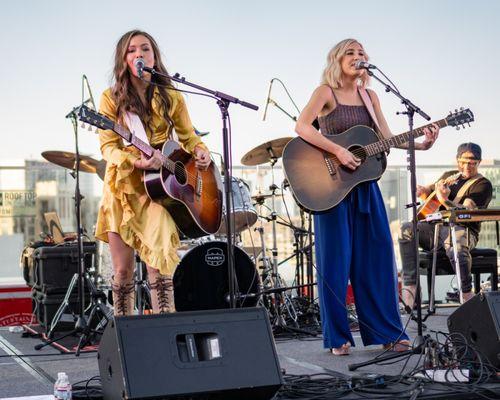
(480, 192)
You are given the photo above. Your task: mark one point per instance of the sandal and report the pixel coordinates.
(342, 350)
(398, 347)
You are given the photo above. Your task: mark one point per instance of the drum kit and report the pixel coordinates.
(201, 278)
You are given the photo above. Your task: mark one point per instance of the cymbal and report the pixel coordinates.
(265, 152)
(67, 159)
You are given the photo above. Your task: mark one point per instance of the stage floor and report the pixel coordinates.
(35, 373)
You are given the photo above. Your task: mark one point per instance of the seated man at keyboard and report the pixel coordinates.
(465, 188)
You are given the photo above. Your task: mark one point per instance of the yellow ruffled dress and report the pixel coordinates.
(125, 207)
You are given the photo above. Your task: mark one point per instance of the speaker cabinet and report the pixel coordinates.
(478, 320)
(215, 354)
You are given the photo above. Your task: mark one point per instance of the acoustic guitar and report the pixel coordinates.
(431, 203)
(319, 181)
(193, 197)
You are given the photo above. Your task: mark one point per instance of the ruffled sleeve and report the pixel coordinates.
(120, 160)
(112, 147)
(182, 124)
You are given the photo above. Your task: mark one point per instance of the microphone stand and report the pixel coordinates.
(411, 109)
(223, 101)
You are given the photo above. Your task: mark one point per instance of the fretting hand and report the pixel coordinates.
(152, 163)
(431, 135)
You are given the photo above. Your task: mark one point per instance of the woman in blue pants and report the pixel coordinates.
(353, 240)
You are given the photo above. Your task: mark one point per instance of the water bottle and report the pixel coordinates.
(62, 387)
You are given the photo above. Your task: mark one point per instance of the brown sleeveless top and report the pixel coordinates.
(344, 117)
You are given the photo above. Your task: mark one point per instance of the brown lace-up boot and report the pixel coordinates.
(123, 298)
(162, 294)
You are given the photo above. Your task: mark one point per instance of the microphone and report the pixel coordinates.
(268, 99)
(139, 66)
(364, 65)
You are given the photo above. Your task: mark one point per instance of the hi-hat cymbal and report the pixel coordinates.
(266, 152)
(67, 159)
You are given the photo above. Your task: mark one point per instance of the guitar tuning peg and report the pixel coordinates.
(456, 110)
(468, 123)
(82, 125)
(90, 128)
(461, 108)
(458, 128)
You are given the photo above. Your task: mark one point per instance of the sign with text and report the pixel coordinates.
(17, 203)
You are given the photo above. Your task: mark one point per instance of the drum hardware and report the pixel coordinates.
(142, 289)
(98, 309)
(67, 160)
(243, 212)
(276, 298)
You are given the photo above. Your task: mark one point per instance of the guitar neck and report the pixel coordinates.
(401, 139)
(144, 147)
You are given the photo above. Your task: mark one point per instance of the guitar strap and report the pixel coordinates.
(466, 187)
(369, 106)
(136, 127)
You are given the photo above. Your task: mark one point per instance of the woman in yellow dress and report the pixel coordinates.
(128, 220)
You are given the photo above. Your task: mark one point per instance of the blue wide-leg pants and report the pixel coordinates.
(353, 242)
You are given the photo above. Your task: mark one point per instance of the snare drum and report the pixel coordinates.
(243, 214)
(201, 278)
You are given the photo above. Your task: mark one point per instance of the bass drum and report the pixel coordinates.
(201, 278)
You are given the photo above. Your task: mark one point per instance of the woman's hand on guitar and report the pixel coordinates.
(347, 159)
(431, 134)
(201, 158)
(152, 163)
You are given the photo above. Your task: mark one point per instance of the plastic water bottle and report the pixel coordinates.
(62, 387)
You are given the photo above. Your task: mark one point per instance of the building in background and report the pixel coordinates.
(28, 191)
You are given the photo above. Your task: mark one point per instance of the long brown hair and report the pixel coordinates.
(124, 93)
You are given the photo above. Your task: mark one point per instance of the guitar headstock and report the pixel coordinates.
(460, 117)
(91, 117)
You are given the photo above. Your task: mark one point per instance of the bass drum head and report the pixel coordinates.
(201, 278)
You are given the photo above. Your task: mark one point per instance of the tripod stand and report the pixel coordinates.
(81, 279)
(279, 303)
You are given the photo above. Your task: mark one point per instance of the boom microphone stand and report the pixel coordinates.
(411, 109)
(223, 101)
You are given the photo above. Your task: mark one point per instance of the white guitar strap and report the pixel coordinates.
(465, 187)
(369, 106)
(136, 127)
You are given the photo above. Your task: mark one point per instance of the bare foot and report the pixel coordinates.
(398, 347)
(342, 350)
(467, 296)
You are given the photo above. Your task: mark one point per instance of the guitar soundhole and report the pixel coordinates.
(180, 173)
(359, 152)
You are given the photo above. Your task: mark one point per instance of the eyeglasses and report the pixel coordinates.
(466, 162)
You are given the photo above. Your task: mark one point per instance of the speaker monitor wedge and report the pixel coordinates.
(215, 354)
(478, 320)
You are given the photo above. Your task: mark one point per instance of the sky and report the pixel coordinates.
(441, 54)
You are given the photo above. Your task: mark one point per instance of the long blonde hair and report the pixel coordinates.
(125, 94)
(332, 74)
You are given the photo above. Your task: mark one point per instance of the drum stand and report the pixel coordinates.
(271, 280)
(141, 285)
